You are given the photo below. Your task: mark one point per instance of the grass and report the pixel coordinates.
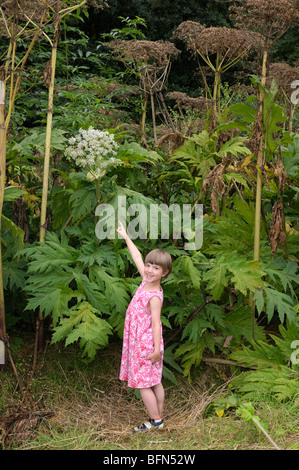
(79, 406)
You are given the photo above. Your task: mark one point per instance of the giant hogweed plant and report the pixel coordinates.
(84, 284)
(84, 287)
(223, 177)
(74, 278)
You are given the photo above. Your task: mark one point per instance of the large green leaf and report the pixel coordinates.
(52, 301)
(262, 355)
(234, 147)
(280, 302)
(247, 275)
(11, 193)
(17, 232)
(217, 279)
(83, 324)
(35, 141)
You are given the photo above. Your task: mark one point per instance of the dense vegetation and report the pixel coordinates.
(227, 139)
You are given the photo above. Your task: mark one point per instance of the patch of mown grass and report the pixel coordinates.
(91, 409)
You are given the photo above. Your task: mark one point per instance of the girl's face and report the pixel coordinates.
(153, 272)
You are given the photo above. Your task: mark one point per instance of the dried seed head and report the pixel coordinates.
(284, 74)
(280, 173)
(150, 59)
(215, 178)
(188, 32)
(277, 232)
(15, 11)
(186, 102)
(228, 42)
(270, 18)
(155, 53)
(98, 4)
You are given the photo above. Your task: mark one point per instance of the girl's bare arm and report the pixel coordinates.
(135, 253)
(155, 307)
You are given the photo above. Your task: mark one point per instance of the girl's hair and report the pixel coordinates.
(161, 258)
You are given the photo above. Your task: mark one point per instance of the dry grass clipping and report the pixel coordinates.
(113, 415)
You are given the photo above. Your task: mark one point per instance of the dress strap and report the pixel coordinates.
(155, 293)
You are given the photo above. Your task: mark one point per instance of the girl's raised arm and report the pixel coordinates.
(135, 253)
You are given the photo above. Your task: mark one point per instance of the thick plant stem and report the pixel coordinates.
(260, 162)
(43, 225)
(42, 234)
(258, 205)
(265, 433)
(259, 186)
(48, 135)
(2, 186)
(4, 124)
(153, 117)
(3, 132)
(144, 106)
(217, 81)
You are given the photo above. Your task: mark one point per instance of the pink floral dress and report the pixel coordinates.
(138, 342)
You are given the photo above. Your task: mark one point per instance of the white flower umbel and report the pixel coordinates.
(94, 151)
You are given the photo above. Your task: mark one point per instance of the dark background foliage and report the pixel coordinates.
(163, 17)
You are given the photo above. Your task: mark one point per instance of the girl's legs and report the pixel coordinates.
(153, 399)
(159, 393)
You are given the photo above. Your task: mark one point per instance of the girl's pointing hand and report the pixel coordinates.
(121, 230)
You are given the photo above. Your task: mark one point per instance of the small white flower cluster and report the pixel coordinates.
(93, 150)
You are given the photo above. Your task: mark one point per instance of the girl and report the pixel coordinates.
(142, 354)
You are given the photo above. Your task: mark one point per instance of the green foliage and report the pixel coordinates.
(130, 31)
(246, 411)
(73, 286)
(244, 276)
(35, 142)
(83, 323)
(278, 294)
(84, 285)
(275, 372)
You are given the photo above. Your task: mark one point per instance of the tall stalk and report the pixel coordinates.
(260, 163)
(57, 18)
(259, 184)
(2, 186)
(56, 23)
(144, 108)
(8, 74)
(43, 216)
(269, 20)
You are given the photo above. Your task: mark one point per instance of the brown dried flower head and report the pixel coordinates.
(12, 12)
(228, 41)
(215, 178)
(271, 18)
(188, 32)
(284, 74)
(155, 53)
(277, 233)
(184, 101)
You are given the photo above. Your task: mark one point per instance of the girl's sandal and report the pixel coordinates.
(151, 423)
